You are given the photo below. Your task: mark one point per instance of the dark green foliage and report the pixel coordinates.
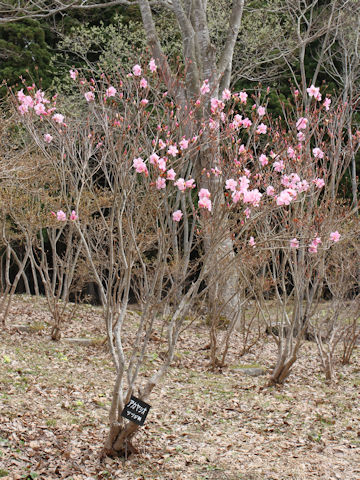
(24, 52)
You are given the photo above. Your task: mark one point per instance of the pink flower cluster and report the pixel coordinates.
(204, 199)
(61, 216)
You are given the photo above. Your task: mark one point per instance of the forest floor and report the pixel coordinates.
(55, 396)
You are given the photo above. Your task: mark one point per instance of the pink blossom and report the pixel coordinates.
(204, 193)
(296, 92)
(237, 122)
(301, 124)
(153, 159)
(21, 95)
(243, 184)
(236, 195)
(326, 103)
(286, 197)
(190, 183)
(23, 108)
(216, 171)
(318, 153)
(313, 91)
(335, 236)
(143, 83)
(270, 190)
(160, 183)
(171, 174)
(205, 87)
(252, 242)
(73, 74)
(110, 92)
(40, 97)
(73, 216)
(319, 182)
(301, 136)
(279, 166)
(246, 123)
(152, 65)
(312, 248)
(231, 184)
(173, 151)
(136, 70)
(184, 144)
(144, 102)
(261, 111)
(205, 202)
(243, 97)
(61, 216)
(247, 212)
(294, 243)
(162, 164)
(252, 196)
(242, 149)
(213, 124)
(291, 152)
(226, 94)
(40, 109)
(140, 165)
(180, 183)
(89, 96)
(302, 186)
(48, 138)
(262, 128)
(177, 215)
(58, 118)
(162, 144)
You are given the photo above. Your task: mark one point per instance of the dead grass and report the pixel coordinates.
(202, 425)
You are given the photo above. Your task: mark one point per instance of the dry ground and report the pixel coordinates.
(202, 425)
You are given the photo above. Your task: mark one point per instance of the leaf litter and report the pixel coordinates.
(55, 397)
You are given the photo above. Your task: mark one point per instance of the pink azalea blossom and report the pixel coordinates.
(231, 184)
(243, 184)
(270, 190)
(23, 108)
(177, 215)
(301, 124)
(313, 91)
(302, 186)
(237, 122)
(140, 165)
(319, 182)
(252, 196)
(246, 123)
(173, 151)
(312, 248)
(110, 92)
(162, 144)
(226, 94)
(205, 88)
(247, 212)
(180, 183)
(335, 236)
(184, 144)
(89, 96)
(243, 97)
(162, 164)
(190, 183)
(40, 109)
(143, 83)
(48, 138)
(242, 149)
(294, 243)
(204, 193)
(61, 216)
(279, 166)
(252, 242)
(152, 65)
(291, 152)
(318, 153)
(261, 111)
(144, 102)
(286, 197)
(326, 103)
(301, 137)
(160, 183)
(154, 158)
(171, 174)
(73, 216)
(262, 128)
(58, 118)
(73, 74)
(205, 202)
(136, 70)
